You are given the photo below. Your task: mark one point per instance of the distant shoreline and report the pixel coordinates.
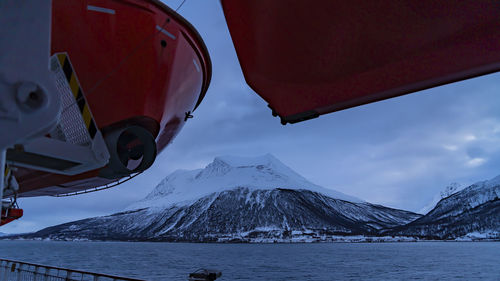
(368, 240)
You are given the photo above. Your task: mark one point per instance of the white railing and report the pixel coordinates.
(11, 270)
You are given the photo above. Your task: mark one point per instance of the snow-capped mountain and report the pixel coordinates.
(236, 199)
(448, 191)
(240, 214)
(228, 172)
(473, 210)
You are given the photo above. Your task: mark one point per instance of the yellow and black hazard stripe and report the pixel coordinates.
(77, 93)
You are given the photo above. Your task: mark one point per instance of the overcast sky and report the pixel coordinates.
(399, 152)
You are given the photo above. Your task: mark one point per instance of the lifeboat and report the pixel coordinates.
(129, 74)
(10, 214)
(309, 58)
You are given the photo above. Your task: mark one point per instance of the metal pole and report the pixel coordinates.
(36, 272)
(6, 273)
(3, 154)
(20, 269)
(46, 275)
(3, 267)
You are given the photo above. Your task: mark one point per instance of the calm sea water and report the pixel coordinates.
(339, 261)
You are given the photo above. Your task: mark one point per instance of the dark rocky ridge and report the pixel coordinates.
(239, 214)
(475, 209)
(262, 200)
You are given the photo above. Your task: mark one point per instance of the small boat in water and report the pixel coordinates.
(204, 275)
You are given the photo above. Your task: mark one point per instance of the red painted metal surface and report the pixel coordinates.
(138, 62)
(307, 58)
(8, 215)
(122, 66)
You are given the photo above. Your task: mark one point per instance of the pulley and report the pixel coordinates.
(132, 149)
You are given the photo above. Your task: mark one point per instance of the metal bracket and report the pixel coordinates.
(31, 98)
(188, 115)
(29, 103)
(2, 175)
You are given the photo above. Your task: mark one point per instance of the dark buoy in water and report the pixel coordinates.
(205, 275)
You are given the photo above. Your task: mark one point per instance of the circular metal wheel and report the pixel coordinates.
(132, 149)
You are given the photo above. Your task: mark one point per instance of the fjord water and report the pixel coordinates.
(335, 261)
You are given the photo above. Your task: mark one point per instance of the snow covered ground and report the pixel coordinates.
(478, 236)
(229, 172)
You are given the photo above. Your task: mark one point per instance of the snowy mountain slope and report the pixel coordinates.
(235, 198)
(473, 209)
(448, 191)
(466, 199)
(229, 172)
(242, 213)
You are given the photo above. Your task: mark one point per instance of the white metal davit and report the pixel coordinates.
(41, 125)
(29, 106)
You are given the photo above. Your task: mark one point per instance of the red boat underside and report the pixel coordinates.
(9, 215)
(307, 58)
(133, 58)
(138, 63)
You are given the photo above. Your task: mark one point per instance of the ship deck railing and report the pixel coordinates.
(11, 270)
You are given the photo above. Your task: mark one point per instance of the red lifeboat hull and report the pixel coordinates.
(138, 63)
(308, 58)
(9, 215)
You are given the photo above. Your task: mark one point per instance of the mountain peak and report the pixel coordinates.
(222, 165)
(240, 161)
(492, 182)
(263, 165)
(263, 172)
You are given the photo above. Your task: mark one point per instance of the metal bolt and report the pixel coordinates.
(30, 97)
